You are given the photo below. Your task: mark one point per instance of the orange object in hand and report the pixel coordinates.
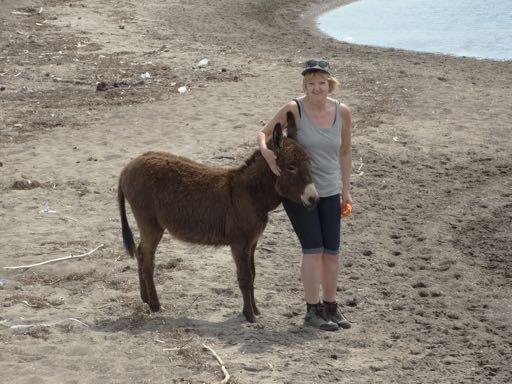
(346, 209)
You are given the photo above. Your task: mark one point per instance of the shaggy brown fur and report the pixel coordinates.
(210, 205)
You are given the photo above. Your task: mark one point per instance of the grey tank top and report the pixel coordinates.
(323, 146)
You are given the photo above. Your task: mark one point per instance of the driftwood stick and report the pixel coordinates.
(69, 81)
(55, 260)
(50, 324)
(21, 13)
(224, 370)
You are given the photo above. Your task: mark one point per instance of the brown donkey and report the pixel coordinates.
(211, 205)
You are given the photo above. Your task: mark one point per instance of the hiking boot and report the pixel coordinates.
(314, 319)
(332, 312)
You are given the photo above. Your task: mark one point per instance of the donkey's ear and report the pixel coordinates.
(277, 136)
(291, 129)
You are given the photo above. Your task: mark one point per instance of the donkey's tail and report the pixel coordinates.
(129, 244)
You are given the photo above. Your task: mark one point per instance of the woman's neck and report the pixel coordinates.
(317, 103)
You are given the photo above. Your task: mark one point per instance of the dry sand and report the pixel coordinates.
(426, 276)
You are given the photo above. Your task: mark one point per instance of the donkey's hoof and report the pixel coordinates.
(250, 317)
(256, 311)
(154, 307)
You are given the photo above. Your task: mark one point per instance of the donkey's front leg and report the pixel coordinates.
(253, 272)
(242, 256)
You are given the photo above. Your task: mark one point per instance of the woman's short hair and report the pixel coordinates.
(333, 82)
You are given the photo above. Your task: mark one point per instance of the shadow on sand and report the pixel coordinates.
(263, 335)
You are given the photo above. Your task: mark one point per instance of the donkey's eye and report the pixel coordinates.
(291, 168)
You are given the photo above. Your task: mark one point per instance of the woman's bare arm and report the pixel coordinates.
(346, 153)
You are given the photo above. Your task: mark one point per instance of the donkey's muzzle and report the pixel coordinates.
(310, 196)
(311, 203)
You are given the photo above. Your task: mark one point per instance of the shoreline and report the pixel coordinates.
(338, 4)
(312, 14)
(316, 11)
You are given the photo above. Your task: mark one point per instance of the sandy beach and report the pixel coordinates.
(86, 86)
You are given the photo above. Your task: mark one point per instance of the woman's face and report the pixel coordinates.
(317, 85)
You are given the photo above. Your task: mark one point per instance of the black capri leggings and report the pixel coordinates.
(318, 229)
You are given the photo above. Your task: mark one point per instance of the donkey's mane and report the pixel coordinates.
(256, 155)
(251, 160)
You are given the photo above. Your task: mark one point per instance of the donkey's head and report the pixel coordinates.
(295, 182)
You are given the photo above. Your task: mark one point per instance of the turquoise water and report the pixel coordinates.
(475, 28)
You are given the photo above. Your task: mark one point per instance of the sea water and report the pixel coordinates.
(475, 28)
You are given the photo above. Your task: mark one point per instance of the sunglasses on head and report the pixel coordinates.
(317, 63)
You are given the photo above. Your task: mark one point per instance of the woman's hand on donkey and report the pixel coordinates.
(270, 157)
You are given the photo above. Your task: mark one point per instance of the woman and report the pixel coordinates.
(324, 130)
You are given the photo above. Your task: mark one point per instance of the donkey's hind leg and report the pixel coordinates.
(142, 283)
(150, 235)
